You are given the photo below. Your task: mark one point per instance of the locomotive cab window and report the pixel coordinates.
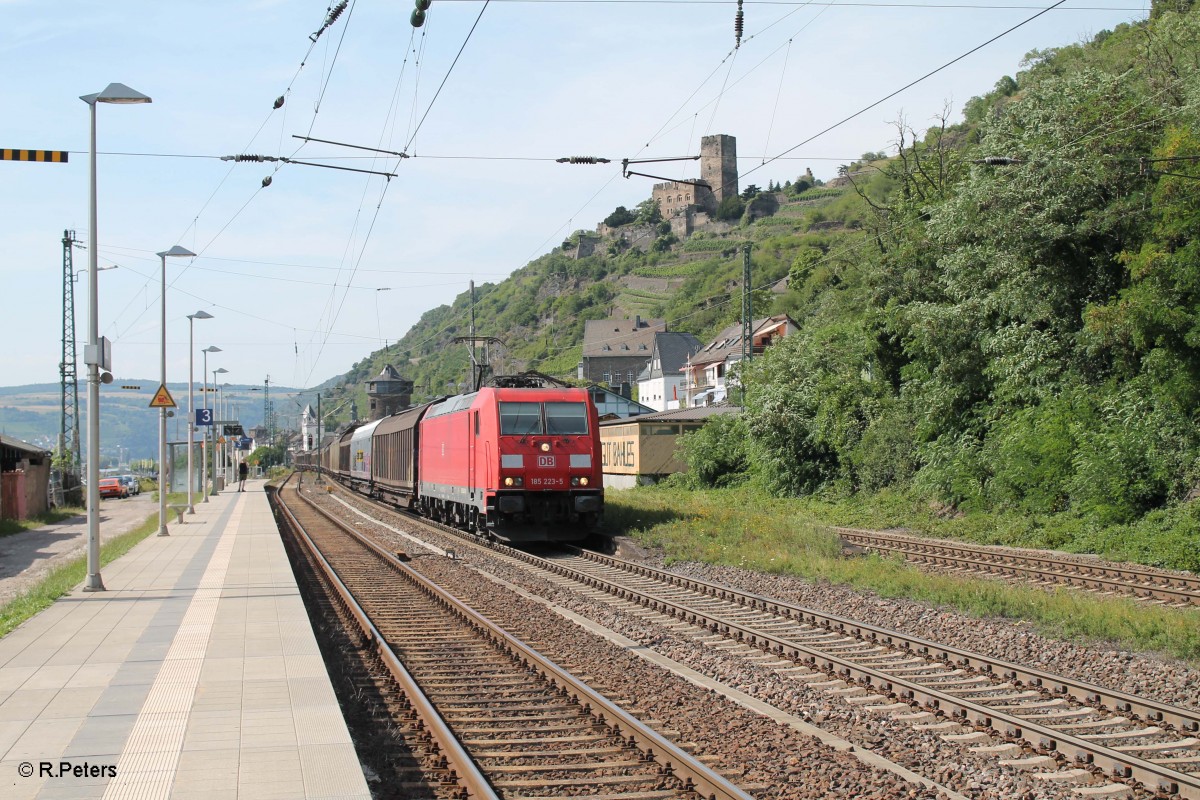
(566, 419)
(520, 419)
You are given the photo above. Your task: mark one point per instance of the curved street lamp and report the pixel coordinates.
(119, 94)
(215, 372)
(201, 314)
(204, 461)
(162, 412)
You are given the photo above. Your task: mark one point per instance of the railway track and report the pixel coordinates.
(1046, 570)
(1074, 724)
(498, 719)
(1068, 731)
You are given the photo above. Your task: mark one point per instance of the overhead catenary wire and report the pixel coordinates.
(778, 95)
(892, 227)
(829, 3)
(911, 84)
(360, 269)
(412, 136)
(407, 147)
(279, 103)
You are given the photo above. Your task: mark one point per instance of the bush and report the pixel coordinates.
(731, 208)
(716, 454)
(1032, 451)
(663, 243)
(1133, 459)
(886, 455)
(954, 470)
(621, 216)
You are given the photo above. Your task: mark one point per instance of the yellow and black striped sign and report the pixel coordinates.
(54, 156)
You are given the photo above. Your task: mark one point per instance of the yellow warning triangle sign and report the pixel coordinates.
(162, 398)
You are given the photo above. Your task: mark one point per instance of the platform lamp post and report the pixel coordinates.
(162, 412)
(223, 400)
(120, 94)
(201, 314)
(204, 461)
(215, 372)
(227, 412)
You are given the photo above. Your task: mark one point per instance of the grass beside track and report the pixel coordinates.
(11, 526)
(740, 528)
(62, 579)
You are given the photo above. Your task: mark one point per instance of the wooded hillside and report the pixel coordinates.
(1001, 316)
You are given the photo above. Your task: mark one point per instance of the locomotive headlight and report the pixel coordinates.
(511, 481)
(579, 481)
(508, 481)
(545, 447)
(583, 481)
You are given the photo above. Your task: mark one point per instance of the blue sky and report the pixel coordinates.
(291, 272)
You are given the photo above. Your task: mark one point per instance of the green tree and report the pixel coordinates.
(1152, 326)
(648, 212)
(805, 260)
(716, 454)
(731, 208)
(809, 399)
(620, 216)
(265, 457)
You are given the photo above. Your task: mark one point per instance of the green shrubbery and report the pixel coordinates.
(1015, 340)
(716, 455)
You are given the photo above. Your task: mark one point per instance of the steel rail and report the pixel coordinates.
(695, 775)
(1139, 582)
(1123, 702)
(466, 773)
(1182, 718)
(1082, 751)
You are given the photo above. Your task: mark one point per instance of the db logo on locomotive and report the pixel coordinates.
(545, 461)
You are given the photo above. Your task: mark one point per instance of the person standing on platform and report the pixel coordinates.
(242, 471)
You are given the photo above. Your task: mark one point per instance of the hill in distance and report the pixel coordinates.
(129, 427)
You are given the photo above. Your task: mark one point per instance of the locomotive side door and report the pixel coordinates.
(472, 437)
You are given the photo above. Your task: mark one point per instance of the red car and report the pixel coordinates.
(112, 487)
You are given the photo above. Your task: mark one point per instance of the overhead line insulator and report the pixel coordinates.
(582, 160)
(737, 27)
(330, 18)
(417, 19)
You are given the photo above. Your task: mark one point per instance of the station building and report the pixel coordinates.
(640, 451)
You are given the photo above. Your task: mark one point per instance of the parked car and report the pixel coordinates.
(131, 483)
(112, 487)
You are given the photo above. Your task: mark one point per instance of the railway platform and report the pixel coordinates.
(195, 675)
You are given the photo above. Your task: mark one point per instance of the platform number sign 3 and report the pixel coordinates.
(204, 416)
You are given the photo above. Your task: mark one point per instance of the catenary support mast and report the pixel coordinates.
(70, 454)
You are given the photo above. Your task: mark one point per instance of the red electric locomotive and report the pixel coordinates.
(519, 464)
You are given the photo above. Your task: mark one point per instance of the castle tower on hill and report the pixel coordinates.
(679, 202)
(388, 393)
(688, 205)
(718, 166)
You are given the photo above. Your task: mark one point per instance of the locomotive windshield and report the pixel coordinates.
(520, 419)
(561, 419)
(566, 419)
